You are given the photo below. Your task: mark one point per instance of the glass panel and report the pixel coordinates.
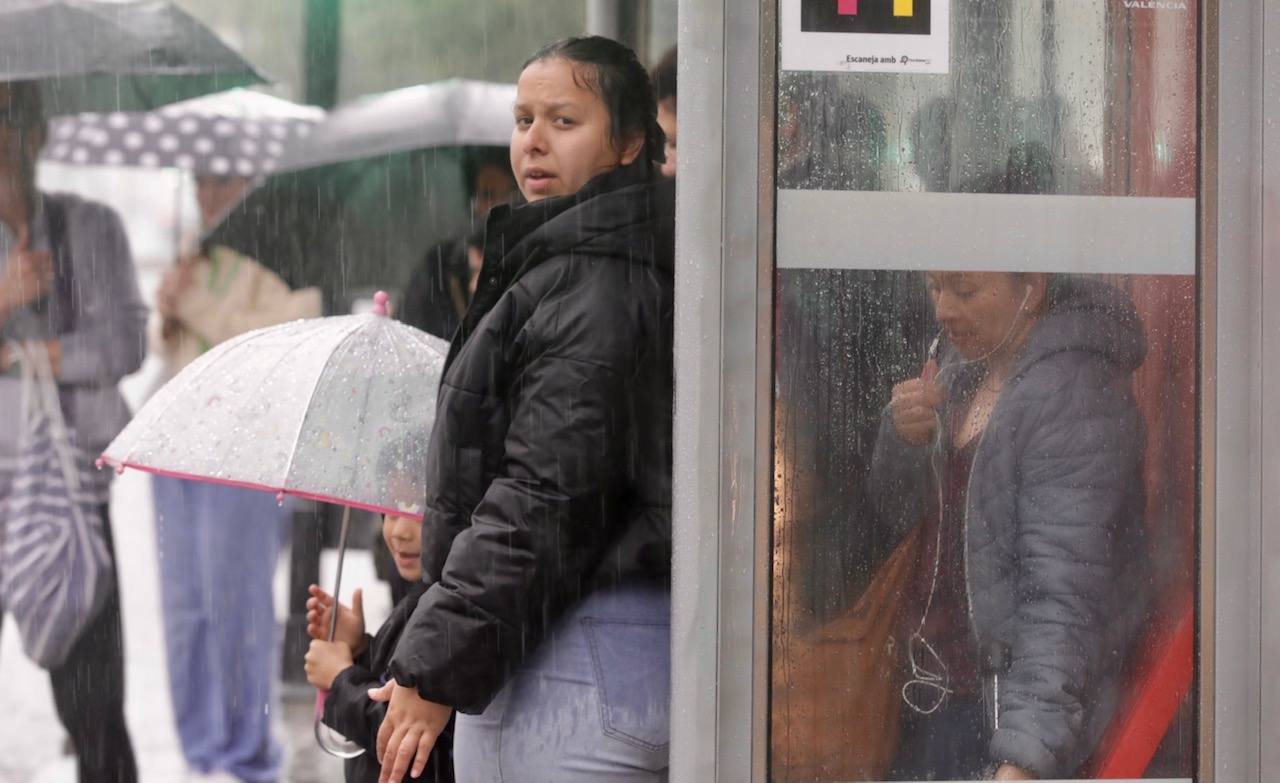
(985, 447)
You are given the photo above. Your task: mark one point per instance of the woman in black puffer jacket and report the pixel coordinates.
(547, 531)
(1021, 457)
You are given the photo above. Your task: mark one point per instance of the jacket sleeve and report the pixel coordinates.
(1076, 470)
(349, 710)
(109, 340)
(899, 479)
(540, 527)
(268, 300)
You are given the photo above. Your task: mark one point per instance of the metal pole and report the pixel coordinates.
(337, 579)
(604, 17)
(621, 20)
(322, 52)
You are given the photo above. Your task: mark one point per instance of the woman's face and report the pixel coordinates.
(984, 313)
(667, 121)
(562, 134)
(215, 194)
(21, 138)
(404, 538)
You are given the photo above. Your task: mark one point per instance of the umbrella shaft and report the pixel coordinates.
(337, 580)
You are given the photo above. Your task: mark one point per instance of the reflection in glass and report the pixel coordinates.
(984, 508)
(973, 545)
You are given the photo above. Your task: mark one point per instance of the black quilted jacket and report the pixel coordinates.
(550, 457)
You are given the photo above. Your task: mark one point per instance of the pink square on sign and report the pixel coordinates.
(847, 7)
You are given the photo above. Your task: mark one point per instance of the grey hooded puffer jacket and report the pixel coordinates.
(1054, 557)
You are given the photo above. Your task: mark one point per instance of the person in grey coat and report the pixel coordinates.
(1019, 452)
(67, 280)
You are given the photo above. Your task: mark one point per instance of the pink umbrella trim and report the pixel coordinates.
(280, 492)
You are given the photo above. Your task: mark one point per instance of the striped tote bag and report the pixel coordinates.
(55, 569)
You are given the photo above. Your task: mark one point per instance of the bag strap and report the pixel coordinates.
(63, 271)
(40, 391)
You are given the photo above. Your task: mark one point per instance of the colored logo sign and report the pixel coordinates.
(900, 7)
(890, 17)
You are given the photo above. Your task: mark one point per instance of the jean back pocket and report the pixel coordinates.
(632, 662)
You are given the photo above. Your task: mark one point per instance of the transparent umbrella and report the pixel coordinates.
(333, 409)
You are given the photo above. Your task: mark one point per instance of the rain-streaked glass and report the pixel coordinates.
(1071, 120)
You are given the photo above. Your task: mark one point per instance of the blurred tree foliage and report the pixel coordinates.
(395, 43)
(269, 34)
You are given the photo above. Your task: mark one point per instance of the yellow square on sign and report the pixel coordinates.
(903, 8)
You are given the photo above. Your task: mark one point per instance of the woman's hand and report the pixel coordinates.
(325, 661)
(408, 732)
(913, 407)
(1010, 772)
(350, 629)
(172, 286)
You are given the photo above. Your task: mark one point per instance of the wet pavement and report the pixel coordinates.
(31, 739)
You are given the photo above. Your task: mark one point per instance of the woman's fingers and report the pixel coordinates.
(425, 745)
(387, 754)
(405, 753)
(388, 723)
(913, 407)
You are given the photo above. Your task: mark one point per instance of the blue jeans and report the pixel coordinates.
(592, 704)
(218, 550)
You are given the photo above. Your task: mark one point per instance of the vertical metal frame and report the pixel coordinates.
(1235, 363)
(724, 296)
(1269, 217)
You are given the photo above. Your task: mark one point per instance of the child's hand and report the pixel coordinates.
(350, 619)
(325, 661)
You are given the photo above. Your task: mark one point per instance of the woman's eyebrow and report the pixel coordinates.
(550, 106)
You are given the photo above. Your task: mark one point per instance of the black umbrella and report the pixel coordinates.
(353, 208)
(92, 55)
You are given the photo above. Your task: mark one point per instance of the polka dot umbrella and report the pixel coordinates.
(234, 133)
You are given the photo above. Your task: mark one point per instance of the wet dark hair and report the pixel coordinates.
(477, 159)
(615, 74)
(26, 107)
(664, 77)
(25, 112)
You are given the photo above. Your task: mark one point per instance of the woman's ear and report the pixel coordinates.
(1037, 292)
(632, 150)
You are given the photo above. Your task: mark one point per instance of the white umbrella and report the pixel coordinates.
(442, 114)
(333, 409)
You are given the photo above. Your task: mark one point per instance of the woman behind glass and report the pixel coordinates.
(1019, 452)
(547, 531)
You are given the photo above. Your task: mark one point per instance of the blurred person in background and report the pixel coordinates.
(68, 281)
(218, 544)
(664, 89)
(546, 538)
(440, 288)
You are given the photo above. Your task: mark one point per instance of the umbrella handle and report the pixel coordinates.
(330, 741)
